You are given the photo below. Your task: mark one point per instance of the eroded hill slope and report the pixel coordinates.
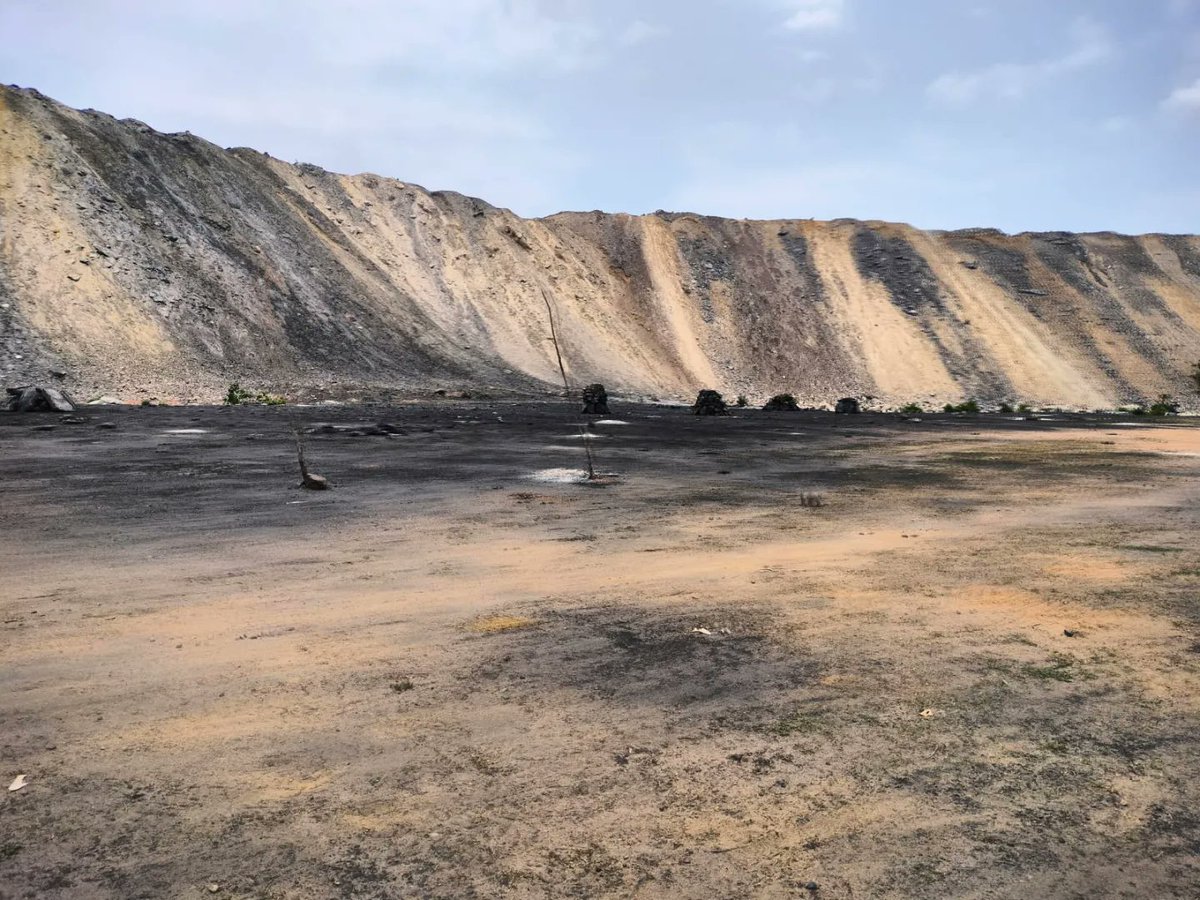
(148, 264)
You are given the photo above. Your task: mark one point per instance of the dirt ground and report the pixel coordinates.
(973, 671)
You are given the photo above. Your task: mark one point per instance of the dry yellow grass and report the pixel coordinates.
(498, 624)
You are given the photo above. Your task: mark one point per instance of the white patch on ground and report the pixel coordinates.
(1132, 424)
(610, 422)
(586, 436)
(560, 476)
(186, 431)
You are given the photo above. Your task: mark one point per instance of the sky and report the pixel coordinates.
(1016, 114)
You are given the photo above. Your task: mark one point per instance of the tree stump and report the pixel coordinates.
(595, 400)
(847, 406)
(308, 480)
(709, 403)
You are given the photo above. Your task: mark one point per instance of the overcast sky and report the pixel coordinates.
(1018, 114)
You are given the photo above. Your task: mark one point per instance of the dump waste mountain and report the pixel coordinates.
(144, 264)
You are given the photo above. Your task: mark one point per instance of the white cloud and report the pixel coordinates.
(813, 56)
(813, 15)
(433, 91)
(464, 35)
(1184, 99)
(1012, 81)
(459, 36)
(639, 32)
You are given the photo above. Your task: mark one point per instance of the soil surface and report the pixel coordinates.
(969, 669)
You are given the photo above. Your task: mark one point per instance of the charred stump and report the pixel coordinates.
(847, 406)
(308, 480)
(595, 400)
(709, 403)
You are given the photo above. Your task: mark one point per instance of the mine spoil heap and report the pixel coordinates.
(144, 265)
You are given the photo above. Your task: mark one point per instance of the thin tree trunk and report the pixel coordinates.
(554, 338)
(587, 446)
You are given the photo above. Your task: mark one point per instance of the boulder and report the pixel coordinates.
(709, 403)
(595, 400)
(847, 406)
(31, 398)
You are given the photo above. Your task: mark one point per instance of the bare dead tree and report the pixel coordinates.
(585, 429)
(554, 338)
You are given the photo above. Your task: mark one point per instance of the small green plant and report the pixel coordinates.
(742, 401)
(1006, 408)
(236, 394)
(1024, 408)
(970, 406)
(1165, 406)
(269, 399)
(912, 409)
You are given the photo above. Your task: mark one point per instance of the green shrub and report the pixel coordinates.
(1166, 406)
(969, 407)
(912, 409)
(741, 400)
(236, 394)
(782, 402)
(1006, 408)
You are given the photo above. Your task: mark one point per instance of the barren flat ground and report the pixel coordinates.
(972, 672)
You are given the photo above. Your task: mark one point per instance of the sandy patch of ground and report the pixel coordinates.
(973, 672)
